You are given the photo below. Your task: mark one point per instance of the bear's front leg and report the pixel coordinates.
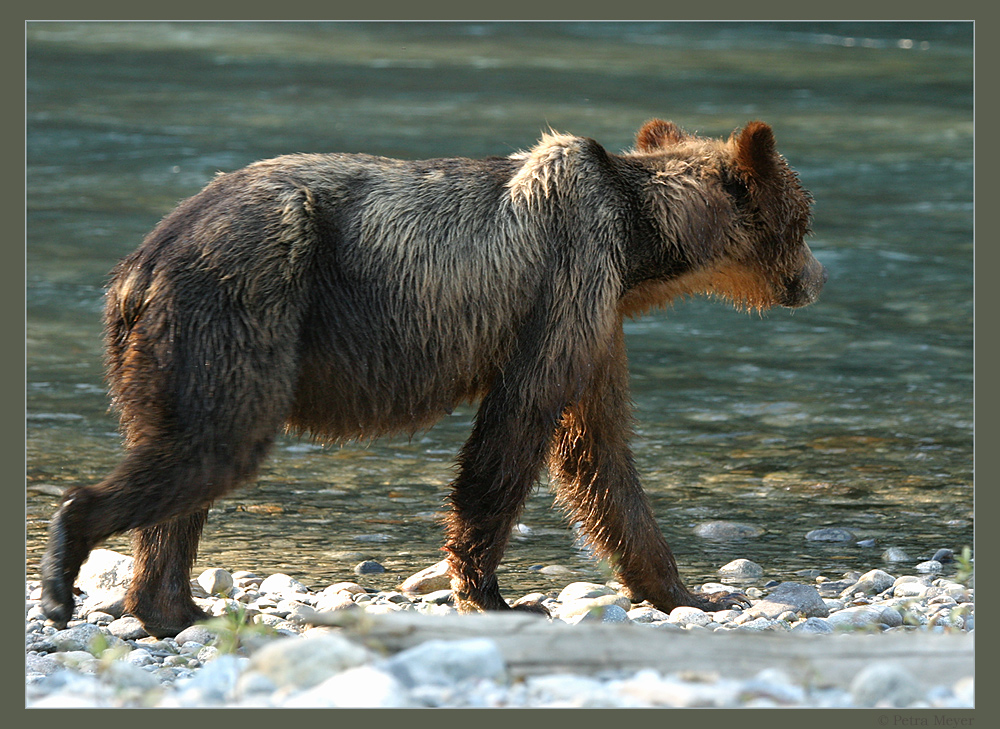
(498, 467)
(593, 469)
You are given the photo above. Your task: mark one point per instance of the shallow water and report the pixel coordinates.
(855, 412)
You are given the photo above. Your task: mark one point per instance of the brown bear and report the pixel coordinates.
(350, 296)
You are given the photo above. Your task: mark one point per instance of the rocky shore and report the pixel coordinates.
(275, 643)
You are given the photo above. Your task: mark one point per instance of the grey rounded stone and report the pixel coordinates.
(110, 601)
(216, 581)
(99, 618)
(368, 567)
(555, 570)
(742, 568)
(78, 638)
(870, 583)
(396, 597)
(433, 578)
(880, 579)
(447, 662)
(336, 601)
(819, 626)
(282, 584)
(581, 590)
(775, 684)
(597, 613)
(208, 654)
(36, 663)
(910, 589)
(351, 588)
(727, 530)
(127, 628)
(196, 634)
(944, 555)
(865, 616)
(362, 687)
(125, 675)
(105, 570)
(830, 534)
(614, 614)
(885, 684)
(216, 681)
(896, 554)
(800, 599)
(140, 657)
(572, 608)
(689, 616)
(305, 662)
(646, 614)
(760, 623)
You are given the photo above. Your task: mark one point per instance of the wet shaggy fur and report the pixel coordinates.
(350, 296)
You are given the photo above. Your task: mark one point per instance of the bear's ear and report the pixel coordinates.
(656, 134)
(755, 152)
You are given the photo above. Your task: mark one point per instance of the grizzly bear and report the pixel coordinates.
(349, 296)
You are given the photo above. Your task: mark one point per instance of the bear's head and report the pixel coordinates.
(734, 212)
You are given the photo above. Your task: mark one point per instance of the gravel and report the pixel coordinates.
(105, 659)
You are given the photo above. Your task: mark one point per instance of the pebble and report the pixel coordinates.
(865, 616)
(582, 591)
(727, 530)
(448, 662)
(288, 659)
(831, 534)
(281, 584)
(216, 581)
(742, 569)
(896, 554)
(368, 567)
(685, 616)
(870, 583)
(105, 570)
(884, 685)
(944, 555)
(794, 596)
(432, 579)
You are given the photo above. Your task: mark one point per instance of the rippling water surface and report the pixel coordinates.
(855, 412)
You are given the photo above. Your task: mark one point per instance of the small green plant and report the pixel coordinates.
(966, 567)
(233, 630)
(106, 655)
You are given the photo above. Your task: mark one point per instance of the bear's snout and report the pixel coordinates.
(804, 287)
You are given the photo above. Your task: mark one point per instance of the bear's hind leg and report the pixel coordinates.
(162, 489)
(160, 592)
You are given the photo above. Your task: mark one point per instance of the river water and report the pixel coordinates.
(856, 412)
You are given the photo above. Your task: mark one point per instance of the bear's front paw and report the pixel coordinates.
(532, 608)
(716, 601)
(57, 609)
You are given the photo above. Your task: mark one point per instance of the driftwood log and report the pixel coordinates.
(531, 645)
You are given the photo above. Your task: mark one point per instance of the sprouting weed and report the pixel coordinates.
(966, 567)
(106, 655)
(233, 630)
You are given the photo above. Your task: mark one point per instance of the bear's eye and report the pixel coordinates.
(737, 190)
